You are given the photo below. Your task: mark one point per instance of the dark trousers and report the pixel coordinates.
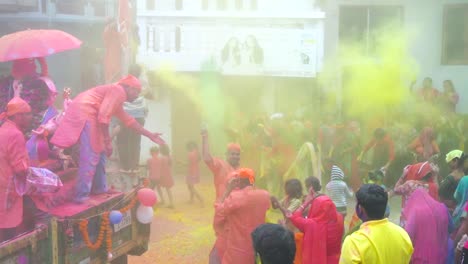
(30, 212)
(128, 146)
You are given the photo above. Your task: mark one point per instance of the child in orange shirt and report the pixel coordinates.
(166, 181)
(193, 171)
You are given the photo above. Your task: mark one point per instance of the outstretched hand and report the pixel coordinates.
(204, 132)
(274, 202)
(156, 138)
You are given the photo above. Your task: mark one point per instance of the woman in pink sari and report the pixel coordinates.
(427, 223)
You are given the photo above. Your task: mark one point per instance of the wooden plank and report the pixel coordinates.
(95, 205)
(54, 236)
(23, 241)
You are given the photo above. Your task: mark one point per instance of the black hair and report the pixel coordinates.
(225, 53)
(154, 149)
(379, 133)
(165, 150)
(274, 243)
(427, 177)
(376, 175)
(373, 199)
(427, 79)
(293, 188)
(313, 182)
(135, 70)
(191, 145)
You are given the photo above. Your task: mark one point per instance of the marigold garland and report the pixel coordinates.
(83, 226)
(105, 226)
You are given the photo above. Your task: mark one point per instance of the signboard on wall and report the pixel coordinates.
(238, 49)
(270, 51)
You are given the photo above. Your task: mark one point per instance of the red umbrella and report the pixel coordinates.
(35, 43)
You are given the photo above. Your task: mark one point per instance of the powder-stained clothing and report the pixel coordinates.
(377, 242)
(221, 170)
(166, 180)
(193, 173)
(337, 189)
(154, 168)
(240, 213)
(13, 160)
(95, 106)
(323, 230)
(427, 224)
(384, 151)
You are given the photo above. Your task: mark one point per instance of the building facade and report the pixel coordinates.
(438, 31)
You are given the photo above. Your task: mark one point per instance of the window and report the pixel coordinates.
(164, 39)
(150, 4)
(455, 35)
(177, 39)
(253, 4)
(205, 4)
(179, 4)
(359, 23)
(221, 4)
(239, 4)
(7, 6)
(71, 7)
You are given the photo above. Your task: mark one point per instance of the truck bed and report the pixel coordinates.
(61, 240)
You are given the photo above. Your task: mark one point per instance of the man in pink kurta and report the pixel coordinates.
(14, 165)
(87, 122)
(242, 209)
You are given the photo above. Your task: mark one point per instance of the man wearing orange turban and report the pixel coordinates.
(241, 209)
(87, 123)
(223, 171)
(14, 163)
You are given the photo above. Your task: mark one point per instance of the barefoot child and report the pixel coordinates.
(166, 180)
(193, 171)
(154, 171)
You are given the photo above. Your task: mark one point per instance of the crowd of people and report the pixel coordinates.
(427, 169)
(80, 135)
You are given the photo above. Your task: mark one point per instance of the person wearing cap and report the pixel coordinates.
(87, 123)
(241, 209)
(221, 169)
(455, 159)
(14, 164)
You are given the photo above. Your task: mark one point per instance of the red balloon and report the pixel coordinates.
(147, 197)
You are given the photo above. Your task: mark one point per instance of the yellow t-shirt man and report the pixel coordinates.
(377, 242)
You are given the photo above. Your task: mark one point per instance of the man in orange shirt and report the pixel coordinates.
(14, 164)
(241, 209)
(384, 150)
(87, 123)
(222, 171)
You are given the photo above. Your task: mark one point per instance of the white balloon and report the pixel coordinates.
(144, 214)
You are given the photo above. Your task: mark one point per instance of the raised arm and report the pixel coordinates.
(206, 153)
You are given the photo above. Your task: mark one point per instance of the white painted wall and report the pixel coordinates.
(158, 120)
(424, 20)
(425, 17)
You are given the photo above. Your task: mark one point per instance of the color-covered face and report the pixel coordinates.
(23, 120)
(132, 93)
(427, 83)
(233, 157)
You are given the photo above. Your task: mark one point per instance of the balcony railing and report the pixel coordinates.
(58, 9)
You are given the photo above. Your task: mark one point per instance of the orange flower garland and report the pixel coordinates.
(105, 227)
(83, 226)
